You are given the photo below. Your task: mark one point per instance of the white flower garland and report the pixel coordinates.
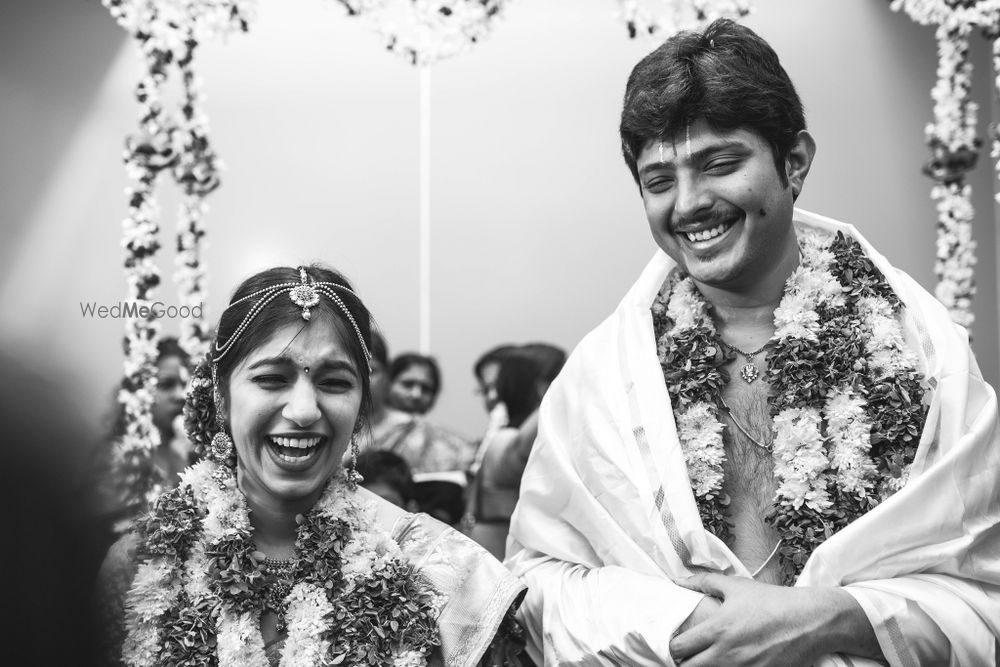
(166, 32)
(427, 31)
(815, 447)
(669, 17)
(156, 587)
(952, 137)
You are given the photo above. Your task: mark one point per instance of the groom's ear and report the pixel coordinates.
(799, 161)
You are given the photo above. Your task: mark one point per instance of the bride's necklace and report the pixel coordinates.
(279, 577)
(749, 372)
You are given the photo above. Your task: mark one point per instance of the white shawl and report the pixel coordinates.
(606, 518)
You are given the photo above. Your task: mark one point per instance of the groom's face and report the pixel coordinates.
(716, 203)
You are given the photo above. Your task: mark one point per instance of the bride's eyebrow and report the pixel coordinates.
(326, 364)
(337, 365)
(280, 360)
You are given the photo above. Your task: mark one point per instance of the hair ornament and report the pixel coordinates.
(304, 294)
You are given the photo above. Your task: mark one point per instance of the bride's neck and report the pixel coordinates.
(273, 520)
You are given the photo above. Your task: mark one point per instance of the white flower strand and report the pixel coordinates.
(698, 427)
(662, 18)
(239, 642)
(850, 439)
(800, 461)
(427, 31)
(307, 610)
(162, 29)
(153, 592)
(810, 285)
(954, 131)
(885, 344)
(956, 251)
(700, 430)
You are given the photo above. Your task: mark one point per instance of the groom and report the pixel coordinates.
(778, 450)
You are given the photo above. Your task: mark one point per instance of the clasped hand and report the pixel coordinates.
(746, 623)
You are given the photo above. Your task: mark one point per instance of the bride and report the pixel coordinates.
(268, 553)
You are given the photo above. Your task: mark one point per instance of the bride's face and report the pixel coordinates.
(293, 406)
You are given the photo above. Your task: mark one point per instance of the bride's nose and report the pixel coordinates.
(302, 407)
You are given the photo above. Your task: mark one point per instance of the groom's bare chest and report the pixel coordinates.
(749, 473)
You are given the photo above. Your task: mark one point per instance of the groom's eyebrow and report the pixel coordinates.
(698, 155)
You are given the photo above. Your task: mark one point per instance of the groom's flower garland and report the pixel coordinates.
(197, 597)
(673, 16)
(846, 397)
(953, 141)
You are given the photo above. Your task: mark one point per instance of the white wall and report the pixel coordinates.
(537, 226)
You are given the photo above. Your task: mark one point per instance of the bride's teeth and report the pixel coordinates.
(297, 443)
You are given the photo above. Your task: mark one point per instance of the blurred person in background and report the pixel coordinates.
(487, 369)
(174, 453)
(386, 475)
(402, 427)
(50, 555)
(414, 383)
(525, 374)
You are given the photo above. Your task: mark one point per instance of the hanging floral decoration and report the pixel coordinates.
(953, 141)
(846, 397)
(427, 31)
(167, 33)
(662, 18)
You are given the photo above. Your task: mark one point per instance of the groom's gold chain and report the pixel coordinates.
(742, 429)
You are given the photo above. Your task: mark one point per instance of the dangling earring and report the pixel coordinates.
(222, 448)
(353, 477)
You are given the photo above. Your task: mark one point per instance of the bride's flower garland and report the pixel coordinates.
(672, 16)
(953, 141)
(197, 597)
(846, 398)
(167, 32)
(426, 31)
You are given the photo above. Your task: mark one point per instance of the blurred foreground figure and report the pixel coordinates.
(48, 552)
(778, 450)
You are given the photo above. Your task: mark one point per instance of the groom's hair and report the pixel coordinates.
(727, 75)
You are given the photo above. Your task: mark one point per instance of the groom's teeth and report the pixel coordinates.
(707, 234)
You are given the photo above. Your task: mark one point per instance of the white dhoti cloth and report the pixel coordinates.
(607, 520)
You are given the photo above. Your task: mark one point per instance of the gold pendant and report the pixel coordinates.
(749, 373)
